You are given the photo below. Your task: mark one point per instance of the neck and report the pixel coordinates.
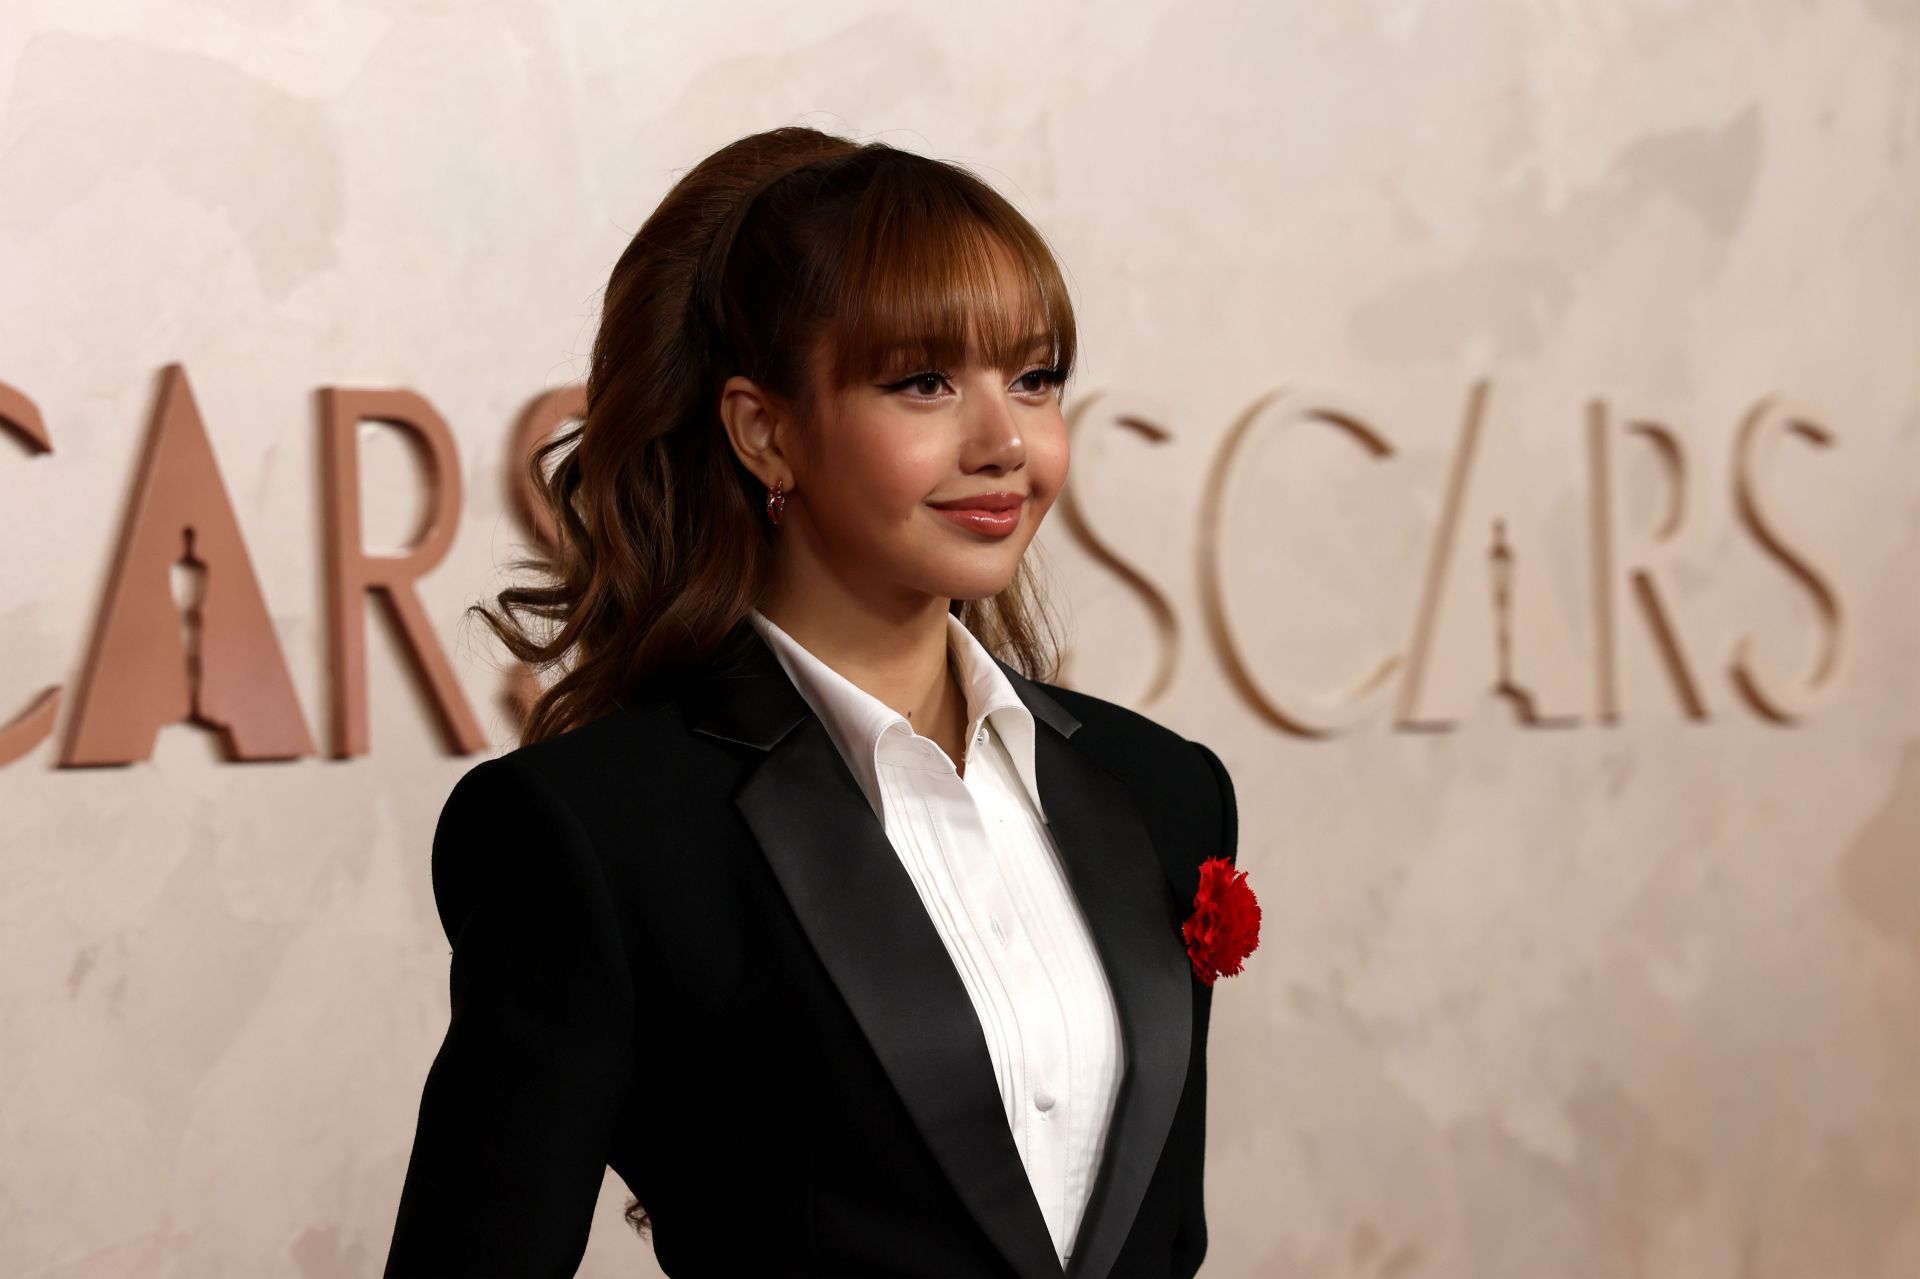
(898, 655)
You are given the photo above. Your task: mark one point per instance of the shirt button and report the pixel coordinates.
(981, 736)
(1043, 1100)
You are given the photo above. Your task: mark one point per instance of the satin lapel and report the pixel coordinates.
(860, 910)
(1131, 911)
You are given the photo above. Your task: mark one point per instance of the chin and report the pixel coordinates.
(948, 566)
(974, 585)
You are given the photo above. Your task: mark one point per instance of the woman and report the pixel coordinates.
(852, 947)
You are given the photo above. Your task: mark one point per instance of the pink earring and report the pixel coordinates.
(776, 501)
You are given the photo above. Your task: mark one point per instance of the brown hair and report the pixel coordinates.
(772, 244)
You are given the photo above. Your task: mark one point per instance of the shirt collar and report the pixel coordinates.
(859, 722)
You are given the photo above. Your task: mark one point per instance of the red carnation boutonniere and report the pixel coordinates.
(1225, 925)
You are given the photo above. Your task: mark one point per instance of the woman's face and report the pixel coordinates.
(884, 456)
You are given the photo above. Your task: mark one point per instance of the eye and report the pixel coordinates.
(1041, 379)
(927, 379)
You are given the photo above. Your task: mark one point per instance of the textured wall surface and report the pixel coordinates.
(1543, 993)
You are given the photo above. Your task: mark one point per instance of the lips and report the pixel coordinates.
(989, 515)
(982, 502)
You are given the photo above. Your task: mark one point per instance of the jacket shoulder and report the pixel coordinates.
(612, 762)
(1182, 790)
(1115, 722)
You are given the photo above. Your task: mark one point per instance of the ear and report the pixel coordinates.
(759, 427)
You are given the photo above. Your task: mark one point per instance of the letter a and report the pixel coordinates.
(1490, 618)
(140, 672)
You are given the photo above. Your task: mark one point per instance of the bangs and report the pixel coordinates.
(938, 271)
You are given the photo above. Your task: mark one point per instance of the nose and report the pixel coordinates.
(994, 435)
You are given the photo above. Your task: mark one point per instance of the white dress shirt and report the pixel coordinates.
(976, 845)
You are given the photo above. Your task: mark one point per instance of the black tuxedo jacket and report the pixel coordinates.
(683, 946)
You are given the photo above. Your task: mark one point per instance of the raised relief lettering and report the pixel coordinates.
(1304, 713)
(1770, 422)
(223, 668)
(1491, 618)
(1651, 556)
(20, 416)
(184, 633)
(1159, 608)
(353, 572)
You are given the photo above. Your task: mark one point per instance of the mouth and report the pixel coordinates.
(982, 502)
(992, 515)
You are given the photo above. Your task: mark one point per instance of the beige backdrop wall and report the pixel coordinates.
(1543, 993)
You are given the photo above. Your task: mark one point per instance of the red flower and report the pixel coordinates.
(1225, 924)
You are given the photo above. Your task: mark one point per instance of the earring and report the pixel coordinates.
(776, 501)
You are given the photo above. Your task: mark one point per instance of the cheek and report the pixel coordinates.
(885, 467)
(1047, 459)
(908, 474)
